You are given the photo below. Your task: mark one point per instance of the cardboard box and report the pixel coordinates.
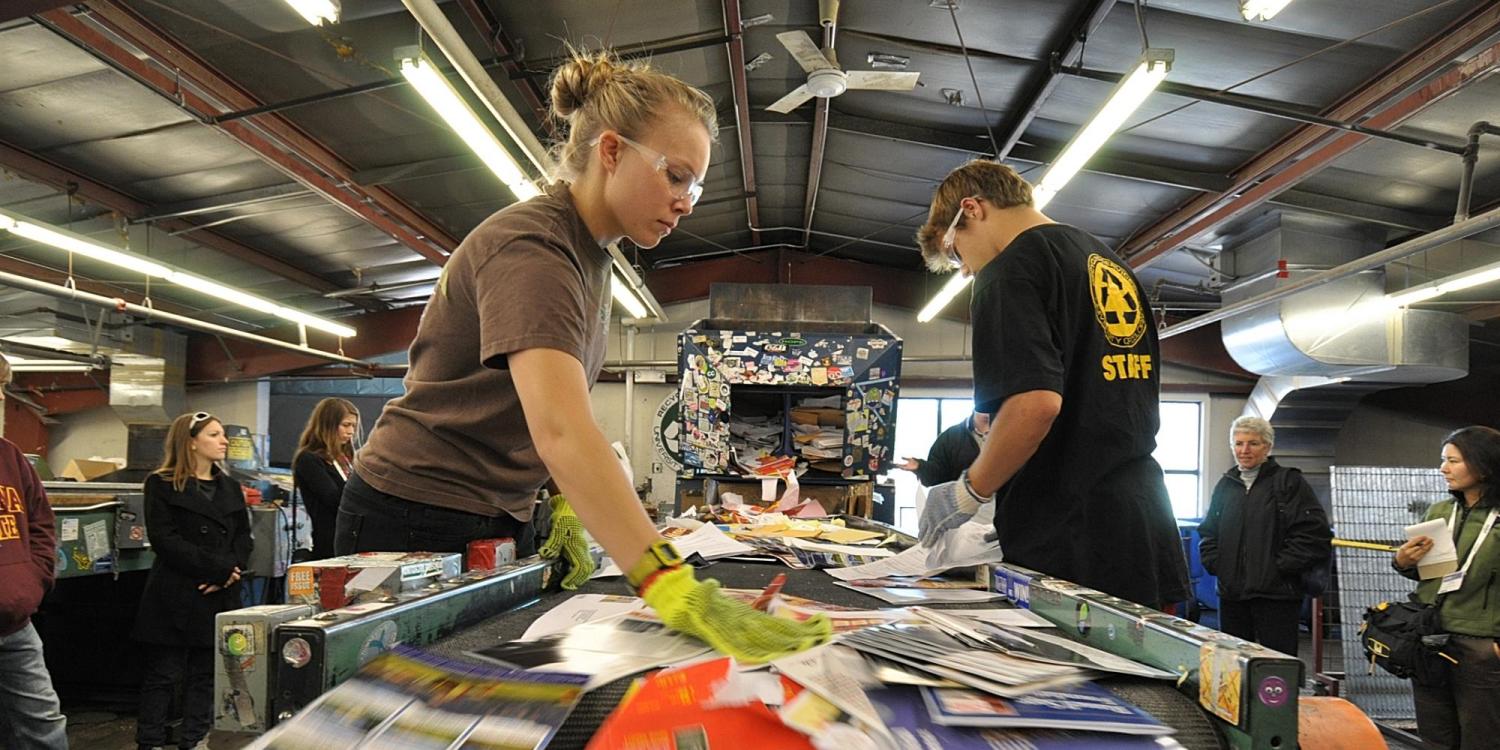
(367, 576)
(87, 469)
(488, 554)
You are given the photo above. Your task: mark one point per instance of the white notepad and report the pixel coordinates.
(1442, 559)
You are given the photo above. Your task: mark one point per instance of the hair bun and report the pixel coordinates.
(578, 79)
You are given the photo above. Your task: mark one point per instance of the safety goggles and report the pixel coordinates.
(948, 237)
(682, 184)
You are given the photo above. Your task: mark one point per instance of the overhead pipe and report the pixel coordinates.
(119, 305)
(1471, 158)
(1456, 231)
(740, 92)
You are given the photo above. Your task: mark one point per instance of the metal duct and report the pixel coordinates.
(1346, 330)
(147, 365)
(147, 382)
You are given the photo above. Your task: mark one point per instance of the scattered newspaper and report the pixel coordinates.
(602, 650)
(406, 698)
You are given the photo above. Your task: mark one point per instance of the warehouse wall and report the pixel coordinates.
(86, 434)
(1375, 436)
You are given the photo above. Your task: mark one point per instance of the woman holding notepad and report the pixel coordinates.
(1463, 712)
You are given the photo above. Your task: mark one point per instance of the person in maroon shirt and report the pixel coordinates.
(30, 715)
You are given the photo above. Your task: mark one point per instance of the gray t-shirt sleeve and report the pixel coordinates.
(529, 296)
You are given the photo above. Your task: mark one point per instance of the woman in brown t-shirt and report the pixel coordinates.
(497, 395)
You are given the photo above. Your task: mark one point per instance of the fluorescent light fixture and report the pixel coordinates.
(317, 12)
(626, 297)
(34, 364)
(944, 296)
(434, 87)
(1126, 98)
(76, 243)
(1261, 10)
(1128, 95)
(1421, 293)
(50, 366)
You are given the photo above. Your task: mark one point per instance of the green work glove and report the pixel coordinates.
(697, 608)
(567, 541)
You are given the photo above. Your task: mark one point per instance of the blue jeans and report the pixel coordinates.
(372, 521)
(30, 715)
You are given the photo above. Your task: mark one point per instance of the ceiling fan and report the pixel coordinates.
(825, 78)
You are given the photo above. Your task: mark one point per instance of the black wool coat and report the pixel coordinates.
(199, 535)
(1259, 541)
(320, 487)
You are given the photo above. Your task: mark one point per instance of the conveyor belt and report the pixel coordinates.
(1170, 706)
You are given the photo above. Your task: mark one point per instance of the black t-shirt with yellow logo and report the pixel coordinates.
(1059, 311)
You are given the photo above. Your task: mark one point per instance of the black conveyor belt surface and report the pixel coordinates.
(1160, 698)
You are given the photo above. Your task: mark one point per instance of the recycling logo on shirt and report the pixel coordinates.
(1117, 302)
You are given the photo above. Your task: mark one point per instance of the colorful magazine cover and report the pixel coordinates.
(1085, 706)
(912, 728)
(406, 698)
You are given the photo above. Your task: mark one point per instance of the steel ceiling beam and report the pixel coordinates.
(1063, 55)
(1311, 147)
(499, 42)
(1113, 166)
(740, 91)
(287, 148)
(1274, 108)
(40, 170)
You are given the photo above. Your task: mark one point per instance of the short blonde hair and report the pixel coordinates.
(979, 178)
(594, 92)
(1259, 426)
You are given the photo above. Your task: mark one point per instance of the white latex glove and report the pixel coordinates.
(948, 506)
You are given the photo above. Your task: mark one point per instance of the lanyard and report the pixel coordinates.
(1484, 533)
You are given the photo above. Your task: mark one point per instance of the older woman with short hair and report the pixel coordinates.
(1264, 528)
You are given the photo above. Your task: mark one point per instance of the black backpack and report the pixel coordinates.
(1314, 580)
(1406, 639)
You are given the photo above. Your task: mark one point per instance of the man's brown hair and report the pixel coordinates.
(980, 178)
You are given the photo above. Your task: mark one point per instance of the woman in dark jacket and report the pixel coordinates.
(321, 466)
(1264, 528)
(199, 530)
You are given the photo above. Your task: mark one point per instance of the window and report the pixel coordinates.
(1179, 450)
(918, 424)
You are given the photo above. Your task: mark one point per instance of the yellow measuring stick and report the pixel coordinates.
(1364, 545)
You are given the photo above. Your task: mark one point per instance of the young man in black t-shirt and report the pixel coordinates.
(1066, 357)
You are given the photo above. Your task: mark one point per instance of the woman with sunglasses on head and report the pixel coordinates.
(1066, 358)
(497, 393)
(321, 467)
(199, 531)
